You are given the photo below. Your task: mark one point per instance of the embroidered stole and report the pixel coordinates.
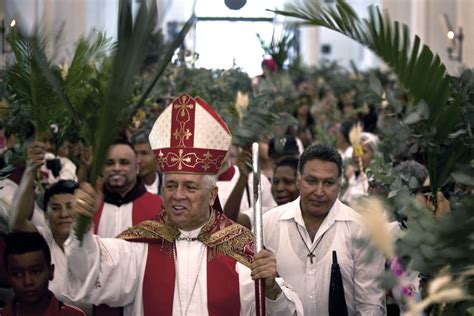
(227, 243)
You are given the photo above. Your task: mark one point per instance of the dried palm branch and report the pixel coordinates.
(375, 223)
(354, 138)
(442, 289)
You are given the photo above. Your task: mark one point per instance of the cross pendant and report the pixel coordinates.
(311, 256)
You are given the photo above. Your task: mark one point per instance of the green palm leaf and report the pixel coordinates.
(128, 58)
(112, 97)
(420, 72)
(166, 59)
(28, 84)
(85, 83)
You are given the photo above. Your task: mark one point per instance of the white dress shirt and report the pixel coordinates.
(339, 231)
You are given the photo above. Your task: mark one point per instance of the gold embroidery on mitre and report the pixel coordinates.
(181, 134)
(183, 117)
(161, 159)
(181, 159)
(207, 161)
(182, 105)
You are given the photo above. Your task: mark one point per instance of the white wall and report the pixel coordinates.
(342, 49)
(72, 18)
(424, 18)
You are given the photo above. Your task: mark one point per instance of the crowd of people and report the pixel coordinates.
(172, 213)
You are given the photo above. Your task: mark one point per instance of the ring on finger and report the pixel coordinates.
(81, 202)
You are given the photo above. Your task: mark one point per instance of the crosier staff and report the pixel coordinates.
(258, 227)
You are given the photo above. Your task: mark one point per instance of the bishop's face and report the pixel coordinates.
(187, 199)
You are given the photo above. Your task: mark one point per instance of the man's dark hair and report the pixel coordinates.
(122, 141)
(60, 187)
(291, 162)
(345, 129)
(140, 137)
(320, 152)
(18, 243)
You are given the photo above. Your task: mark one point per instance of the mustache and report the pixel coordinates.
(116, 173)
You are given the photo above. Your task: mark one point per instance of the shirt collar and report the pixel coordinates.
(338, 212)
(116, 199)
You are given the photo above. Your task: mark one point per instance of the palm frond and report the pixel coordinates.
(28, 84)
(278, 48)
(418, 69)
(420, 72)
(88, 51)
(52, 74)
(167, 57)
(128, 58)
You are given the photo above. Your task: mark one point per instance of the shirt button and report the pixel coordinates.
(311, 272)
(311, 296)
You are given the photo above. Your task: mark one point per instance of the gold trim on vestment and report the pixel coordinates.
(235, 240)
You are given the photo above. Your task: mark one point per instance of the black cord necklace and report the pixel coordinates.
(310, 254)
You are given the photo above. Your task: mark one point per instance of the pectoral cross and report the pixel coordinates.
(311, 256)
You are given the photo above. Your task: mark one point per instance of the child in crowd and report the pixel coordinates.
(28, 264)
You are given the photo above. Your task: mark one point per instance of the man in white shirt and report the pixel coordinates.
(191, 259)
(304, 233)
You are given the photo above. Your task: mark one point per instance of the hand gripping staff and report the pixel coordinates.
(258, 227)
